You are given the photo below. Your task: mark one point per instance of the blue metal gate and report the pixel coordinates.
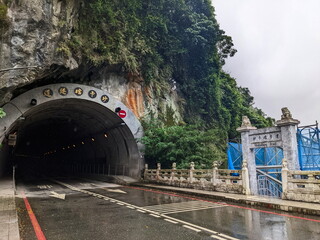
(309, 147)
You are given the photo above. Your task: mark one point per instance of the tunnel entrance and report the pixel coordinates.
(66, 135)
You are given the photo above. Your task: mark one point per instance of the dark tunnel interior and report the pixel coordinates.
(71, 137)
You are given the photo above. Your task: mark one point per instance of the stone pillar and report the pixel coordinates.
(288, 127)
(158, 171)
(191, 172)
(145, 175)
(174, 167)
(284, 176)
(248, 153)
(245, 178)
(214, 173)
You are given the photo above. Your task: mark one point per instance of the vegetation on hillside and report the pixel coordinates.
(3, 17)
(165, 40)
(183, 145)
(2, 113)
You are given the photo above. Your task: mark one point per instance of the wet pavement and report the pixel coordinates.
(98, 210)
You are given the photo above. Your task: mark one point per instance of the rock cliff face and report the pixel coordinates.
(32, 54)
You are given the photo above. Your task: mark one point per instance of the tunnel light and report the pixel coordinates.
(74, 145)
(92, 139)
(33, 102)
(82, 143)
(63, 149)
(105, 135)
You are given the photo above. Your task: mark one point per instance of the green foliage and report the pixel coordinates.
(182, 145)
(237, 102)
(162, 40)
(3, 16)
(2, 113)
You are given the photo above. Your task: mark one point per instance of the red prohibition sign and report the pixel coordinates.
(122, 113)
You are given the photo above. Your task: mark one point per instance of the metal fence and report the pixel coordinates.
(309, 147)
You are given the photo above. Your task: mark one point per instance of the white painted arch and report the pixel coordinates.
(21, 104)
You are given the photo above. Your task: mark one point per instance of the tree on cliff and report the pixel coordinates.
(170, 39)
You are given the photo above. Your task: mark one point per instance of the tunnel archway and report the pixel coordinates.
(70, 128)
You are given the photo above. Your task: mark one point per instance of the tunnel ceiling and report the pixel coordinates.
(62, 122)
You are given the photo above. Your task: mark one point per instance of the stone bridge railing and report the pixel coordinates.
(296, 185)
(221, 180)
(301, 185)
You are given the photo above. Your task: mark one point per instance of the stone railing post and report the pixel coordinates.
(248, 154)
(191, 172)
(214, 178)
(284, 176)
(245, 178)
(145, 175)
(174, 168)
(158, 171)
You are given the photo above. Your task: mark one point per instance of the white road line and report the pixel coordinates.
(226, 236)
(217, 237)
(190, 224)
(188, 210)
(182, 207)
(130, 207)
(168, 220)
(158, 215)
(194, 229)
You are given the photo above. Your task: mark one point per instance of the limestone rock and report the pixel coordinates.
(33, 53)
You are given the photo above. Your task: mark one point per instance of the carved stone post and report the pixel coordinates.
(284, 176)
(145, 175)
(174, 168)
(158, 171)
(288, 127)
(245, 178)
(214, 178)
(191, 172)
(248, 153)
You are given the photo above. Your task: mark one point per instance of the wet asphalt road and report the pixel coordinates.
(97, 210)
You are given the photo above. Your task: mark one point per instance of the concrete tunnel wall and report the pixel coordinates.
(57, 121)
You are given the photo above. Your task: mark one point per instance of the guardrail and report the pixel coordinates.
(296, 185)
(222, 180)
(300, 185)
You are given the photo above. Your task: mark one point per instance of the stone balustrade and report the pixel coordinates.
(296, 185)
(301, 185)
(221, 180)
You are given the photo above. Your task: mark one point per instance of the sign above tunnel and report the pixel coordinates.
(63, 91)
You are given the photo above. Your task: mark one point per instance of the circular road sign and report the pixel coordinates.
(122, 113)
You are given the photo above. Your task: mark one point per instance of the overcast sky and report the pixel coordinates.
(278, 58)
